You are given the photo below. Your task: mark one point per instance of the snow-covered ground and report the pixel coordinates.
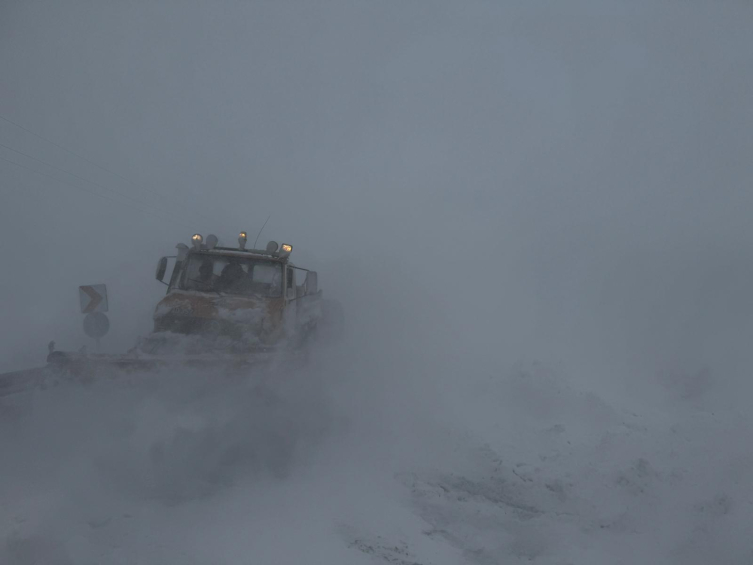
(341, 462)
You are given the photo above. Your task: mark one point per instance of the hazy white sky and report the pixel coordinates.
(523, 160)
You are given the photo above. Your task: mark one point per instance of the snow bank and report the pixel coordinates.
(183, 471)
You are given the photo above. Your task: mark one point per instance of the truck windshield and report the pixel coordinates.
(232, 275)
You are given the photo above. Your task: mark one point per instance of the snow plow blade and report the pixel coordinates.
(83, 365)
(83, 368)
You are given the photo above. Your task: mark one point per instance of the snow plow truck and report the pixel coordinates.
(225, 308)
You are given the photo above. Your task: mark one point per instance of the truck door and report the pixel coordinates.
(290, 283)
(289, 319)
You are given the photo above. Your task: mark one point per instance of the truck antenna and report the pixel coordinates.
(261, 230)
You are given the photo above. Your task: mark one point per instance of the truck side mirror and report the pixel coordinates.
(161, 268)
(311, 283)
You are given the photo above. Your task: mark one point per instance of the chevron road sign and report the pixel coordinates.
(93, 298)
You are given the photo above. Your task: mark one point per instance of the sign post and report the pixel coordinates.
(94, 304)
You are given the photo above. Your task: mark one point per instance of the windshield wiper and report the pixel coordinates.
(207, 284)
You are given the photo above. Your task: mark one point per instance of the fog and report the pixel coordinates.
(536, 217)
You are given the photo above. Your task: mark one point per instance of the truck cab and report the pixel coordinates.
(251, 296)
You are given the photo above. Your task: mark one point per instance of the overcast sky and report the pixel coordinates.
(558, 178)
